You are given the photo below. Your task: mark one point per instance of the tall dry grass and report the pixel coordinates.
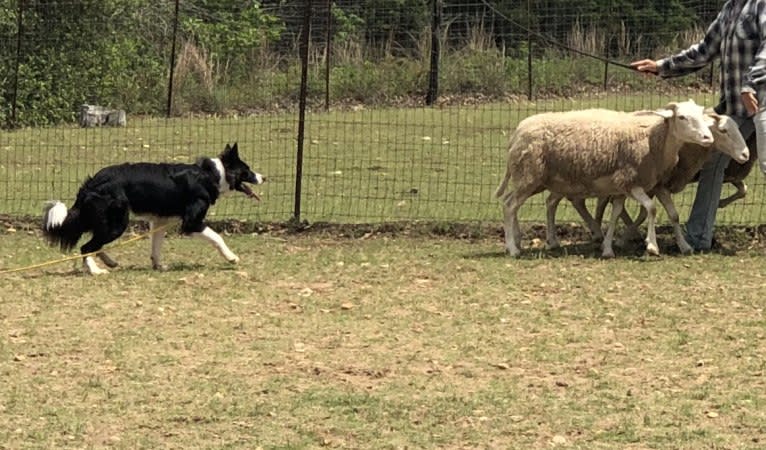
(195, 61)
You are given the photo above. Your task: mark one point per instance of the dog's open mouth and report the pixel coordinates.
(249, 192)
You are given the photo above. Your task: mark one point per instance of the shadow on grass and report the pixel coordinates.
(133, 268)
(633, 251)
(174, 267)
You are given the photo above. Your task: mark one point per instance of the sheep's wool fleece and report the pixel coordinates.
(579, 152)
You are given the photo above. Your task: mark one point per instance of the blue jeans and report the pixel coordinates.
(701, 223)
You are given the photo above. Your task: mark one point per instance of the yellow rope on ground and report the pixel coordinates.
(70, 258)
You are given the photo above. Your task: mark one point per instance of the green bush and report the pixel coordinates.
(243, 57)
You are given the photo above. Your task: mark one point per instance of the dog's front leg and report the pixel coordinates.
(214, 238)
(157, 238)
(106, 259)
(90, 265)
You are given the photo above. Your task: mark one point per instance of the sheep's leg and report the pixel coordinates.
(618, 203)
(631, 227)
(551, 203)
(600, 209)
(651, 238)
(593, 225)
(512, 203)
(667, 202)
(510, 226)
(741, 193)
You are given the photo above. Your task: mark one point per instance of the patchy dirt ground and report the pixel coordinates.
(384, 337)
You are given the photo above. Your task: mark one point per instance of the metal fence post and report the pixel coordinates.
(529, 50)
(12, 121)
(328, 53)
(607, 50)
(172, 62)
(304, 53)
(433, 78)
(606, 62)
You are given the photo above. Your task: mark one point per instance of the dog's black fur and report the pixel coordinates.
(160, 190)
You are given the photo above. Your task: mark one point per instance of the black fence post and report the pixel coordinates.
(433, 78)
(606, 62)
(12, 121)
(607, 45)
(328, 52)
(304, 53)
(529, 50)
(172, 62)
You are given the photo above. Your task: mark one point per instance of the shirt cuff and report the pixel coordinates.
(663, 66)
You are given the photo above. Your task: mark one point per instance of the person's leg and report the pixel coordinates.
(759, 120)
(701, 223)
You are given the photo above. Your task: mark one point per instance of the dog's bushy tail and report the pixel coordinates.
(62, 227)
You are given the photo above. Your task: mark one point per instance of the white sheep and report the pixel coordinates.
(597, 153)
(736, 174)
(691, 158)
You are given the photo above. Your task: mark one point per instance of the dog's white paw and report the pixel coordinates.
(92, 268)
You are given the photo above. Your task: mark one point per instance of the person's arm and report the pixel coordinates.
(755, 78)
(698, 55)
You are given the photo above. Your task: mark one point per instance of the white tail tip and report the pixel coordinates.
(54, 213)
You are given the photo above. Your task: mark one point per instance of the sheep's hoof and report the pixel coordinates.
(652, 250)
(686, 249)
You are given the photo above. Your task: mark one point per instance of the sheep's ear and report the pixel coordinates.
(712, 120)
(665, 113)
(668, 111)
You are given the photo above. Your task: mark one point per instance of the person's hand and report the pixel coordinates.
(645, 65)
(751, 102)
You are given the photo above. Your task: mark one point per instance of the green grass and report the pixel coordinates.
(364, 165)
(384, 342)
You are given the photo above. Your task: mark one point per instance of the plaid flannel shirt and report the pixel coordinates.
(738, 37)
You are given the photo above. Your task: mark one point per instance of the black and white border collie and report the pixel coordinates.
(157, 192)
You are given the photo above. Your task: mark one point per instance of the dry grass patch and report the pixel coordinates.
(384, 342)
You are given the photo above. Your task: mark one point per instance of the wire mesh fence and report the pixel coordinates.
(407, 109)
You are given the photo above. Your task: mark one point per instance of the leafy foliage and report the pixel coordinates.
(241, 54)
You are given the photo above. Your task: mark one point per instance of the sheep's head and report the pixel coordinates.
(687, 122)
(728, 139)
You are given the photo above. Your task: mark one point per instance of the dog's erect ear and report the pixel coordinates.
(230, 152)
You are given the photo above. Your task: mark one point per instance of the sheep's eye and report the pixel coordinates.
(724, 131)
(681, 117)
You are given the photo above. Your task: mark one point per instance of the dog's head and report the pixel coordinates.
(237, 173)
